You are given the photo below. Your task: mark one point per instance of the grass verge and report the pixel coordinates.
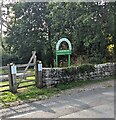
(32, 93)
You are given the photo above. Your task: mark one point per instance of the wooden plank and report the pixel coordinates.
(18, 88)
(25, 65)
(30, 60)
(28, 81)
(4, 85)
(3, 79)
(5, 90)
(19, 66)
(19, 75)
(34, 53)
(26, 86)
(4, 67)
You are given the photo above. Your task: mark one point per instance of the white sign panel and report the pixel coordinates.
(13, 70)
(39, 67)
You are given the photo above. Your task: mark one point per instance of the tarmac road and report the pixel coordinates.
(91, 103)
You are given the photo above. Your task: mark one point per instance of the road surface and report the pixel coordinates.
(95, 103)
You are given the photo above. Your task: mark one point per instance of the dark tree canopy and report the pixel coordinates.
(38, 26)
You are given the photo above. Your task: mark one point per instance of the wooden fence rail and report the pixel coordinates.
(20, 70)
(4, 67)
(4, 76)
(18, 66)
(22, 73)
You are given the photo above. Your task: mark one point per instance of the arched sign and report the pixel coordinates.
(62, 40)
(63, 52)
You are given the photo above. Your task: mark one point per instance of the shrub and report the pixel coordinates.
(86, 68)
(95, 60)
(6, 58)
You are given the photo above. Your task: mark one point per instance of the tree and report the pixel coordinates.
(28, 32)
(38, 26)
(87, 26)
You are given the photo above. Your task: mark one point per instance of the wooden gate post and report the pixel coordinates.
(38, 74)
(12, 78)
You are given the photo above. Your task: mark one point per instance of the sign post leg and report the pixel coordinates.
(68, 60)
(56, 61)
(38, 74)
(12, 78)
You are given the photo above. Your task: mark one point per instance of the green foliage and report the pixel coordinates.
(38, 26)
(95, 60)
(27, 32)
(86, 68)
(9, 97)
(85, 24)
(9, 58)
(83, 68)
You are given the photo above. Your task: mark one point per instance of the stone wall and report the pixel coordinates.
(52, 76)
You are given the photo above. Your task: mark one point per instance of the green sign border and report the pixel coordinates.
(63, 52)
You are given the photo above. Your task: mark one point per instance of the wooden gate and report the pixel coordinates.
(24, 76)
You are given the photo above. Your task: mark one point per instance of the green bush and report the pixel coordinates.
(95, 60)
(86, 68)
(6, 58)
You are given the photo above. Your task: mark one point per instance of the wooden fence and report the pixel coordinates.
(13, 82)
(4, 71)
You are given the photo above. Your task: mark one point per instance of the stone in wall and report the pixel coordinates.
(52, 76)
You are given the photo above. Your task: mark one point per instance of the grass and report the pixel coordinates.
(33, 93)
(81, 83)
